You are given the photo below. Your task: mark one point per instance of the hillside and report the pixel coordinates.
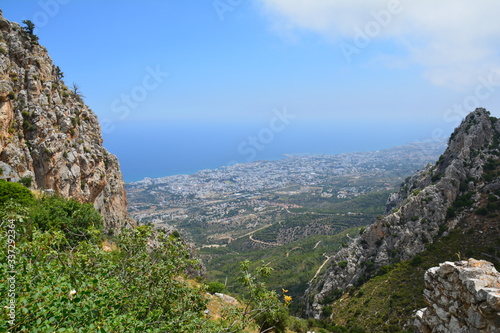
(49, 138)
(445, 211)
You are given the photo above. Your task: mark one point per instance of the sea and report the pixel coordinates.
(165, 148)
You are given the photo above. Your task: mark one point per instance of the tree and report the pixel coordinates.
(59, 74)
(76, 92)
(30, 27)
(262, 305)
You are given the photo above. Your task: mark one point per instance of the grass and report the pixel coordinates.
(386, 302)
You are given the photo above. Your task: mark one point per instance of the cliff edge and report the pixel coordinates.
(48, 136)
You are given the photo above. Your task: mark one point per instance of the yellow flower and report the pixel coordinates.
(288, 299)
(284, 290)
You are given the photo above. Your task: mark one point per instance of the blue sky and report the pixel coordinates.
(227, 61)
(259, 56)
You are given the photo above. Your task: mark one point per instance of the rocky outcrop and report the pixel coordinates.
(47, 133)
(462, 296)
(428, 205)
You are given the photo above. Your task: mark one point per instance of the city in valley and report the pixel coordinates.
(216, 207)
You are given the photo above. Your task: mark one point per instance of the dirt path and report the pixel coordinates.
(320, 267)
(261, 242)
(254, 231)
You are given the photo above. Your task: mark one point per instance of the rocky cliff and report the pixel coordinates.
(48, 135)
(428, 205)
(462, 296)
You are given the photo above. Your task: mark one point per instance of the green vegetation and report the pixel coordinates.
(294, 264)
(66, 280)
(58, 73)
(76, 92)
(29, 28)
(215, 287)
(26, 181)
(15, 192)
(386, 302)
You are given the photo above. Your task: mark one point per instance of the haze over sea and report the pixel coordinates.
(159, 149)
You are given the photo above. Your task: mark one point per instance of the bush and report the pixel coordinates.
(463, 201)
(342, 264)
(451, 213)
(71, 217)
(26, 181)
(134, 288)
(326, 311)
(298, 325)
(436, 177)
(482, 211)
(215, 287)
(15, 192)
(417, 260)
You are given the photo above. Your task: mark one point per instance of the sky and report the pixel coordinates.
(400, 62)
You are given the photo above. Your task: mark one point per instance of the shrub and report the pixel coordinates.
(74, 219)
(215, 287)
(450, 213)
(15, 192)
(298, 325)
(26, 181)
(482, 211)
(436, 177)
(326, 311)
(463, 201)
(342, 264)
(417, 260)
(442, 229)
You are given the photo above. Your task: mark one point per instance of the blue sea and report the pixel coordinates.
(158, 149)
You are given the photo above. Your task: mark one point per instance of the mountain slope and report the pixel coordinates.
(48, 136)
(428, 204)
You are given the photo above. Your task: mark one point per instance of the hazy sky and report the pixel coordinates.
(231, 60)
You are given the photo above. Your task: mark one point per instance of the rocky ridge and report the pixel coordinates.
(463, 296)
(48, 136)
(428, 205)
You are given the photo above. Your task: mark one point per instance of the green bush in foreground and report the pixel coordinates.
(58, 278)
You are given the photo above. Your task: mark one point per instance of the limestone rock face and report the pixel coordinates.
(462, 297)
(418, 214)
(48, 134)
